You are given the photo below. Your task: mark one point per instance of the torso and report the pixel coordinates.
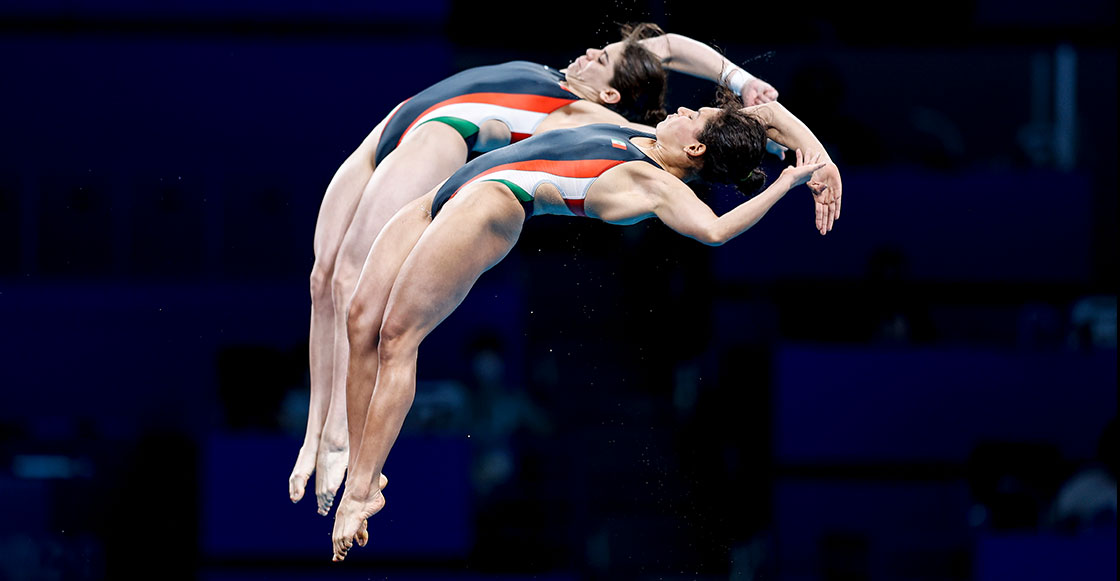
(520, 95)
(573, 172)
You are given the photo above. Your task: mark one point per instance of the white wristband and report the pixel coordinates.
(734, 78)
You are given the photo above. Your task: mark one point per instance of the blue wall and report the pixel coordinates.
(786, 406)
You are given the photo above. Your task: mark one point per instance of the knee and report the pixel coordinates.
(320, 282)
(362, 324)
(343, 281)
(396, 341)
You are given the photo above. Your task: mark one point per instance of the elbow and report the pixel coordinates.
(659, 46)
(711, 237)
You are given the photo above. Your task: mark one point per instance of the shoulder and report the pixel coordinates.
(580, 113)
(649, 180)
(594, 110)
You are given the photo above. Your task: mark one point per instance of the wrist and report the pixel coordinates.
(735, 78)
(785, 181)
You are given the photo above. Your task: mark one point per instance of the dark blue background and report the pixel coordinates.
(901, 399)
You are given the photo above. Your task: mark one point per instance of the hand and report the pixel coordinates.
(800, 172)
(757, 91)
(827, 191)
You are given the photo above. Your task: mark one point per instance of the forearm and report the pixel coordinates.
(745, 215)
(785, 128)
(691, 57)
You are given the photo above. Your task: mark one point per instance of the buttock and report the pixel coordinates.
(445, 194)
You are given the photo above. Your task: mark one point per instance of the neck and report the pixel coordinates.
(663, 157)
(580, 90)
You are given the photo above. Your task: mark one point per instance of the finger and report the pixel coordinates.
(799, 156)
(819, 217)
(831, 215)
(838, 198)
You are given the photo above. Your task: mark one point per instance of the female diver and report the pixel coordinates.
(426, 138)
(430, 254)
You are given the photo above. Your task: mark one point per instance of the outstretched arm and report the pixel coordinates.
(786, 129)
(691, 57)
(680, 209)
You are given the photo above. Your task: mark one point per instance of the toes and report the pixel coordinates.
(383, 482)
(341, 548)
(297, 483)
(326, 501)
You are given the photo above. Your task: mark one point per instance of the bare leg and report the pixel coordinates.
(473, 232)
(427, 157)
(335, 214)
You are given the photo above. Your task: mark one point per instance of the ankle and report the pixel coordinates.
(363, 494)
(332, 442)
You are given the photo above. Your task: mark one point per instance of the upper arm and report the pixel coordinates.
(677, 206)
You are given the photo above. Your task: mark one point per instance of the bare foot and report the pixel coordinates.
(351, 520)
(301, 473)
(330, 470)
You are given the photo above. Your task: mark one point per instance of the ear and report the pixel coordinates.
(610, 96)
(696, 149)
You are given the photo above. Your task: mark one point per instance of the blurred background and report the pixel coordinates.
(927, 393)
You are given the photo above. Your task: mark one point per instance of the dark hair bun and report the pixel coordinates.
(735, 143)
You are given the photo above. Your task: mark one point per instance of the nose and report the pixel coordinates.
(682, 110)
(592, 52)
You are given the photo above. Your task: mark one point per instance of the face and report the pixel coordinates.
(680, 130)
(595, 68)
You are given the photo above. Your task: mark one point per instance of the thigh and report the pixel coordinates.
(383, 262)
(343, 195)
(423, 161)
(472, 233)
